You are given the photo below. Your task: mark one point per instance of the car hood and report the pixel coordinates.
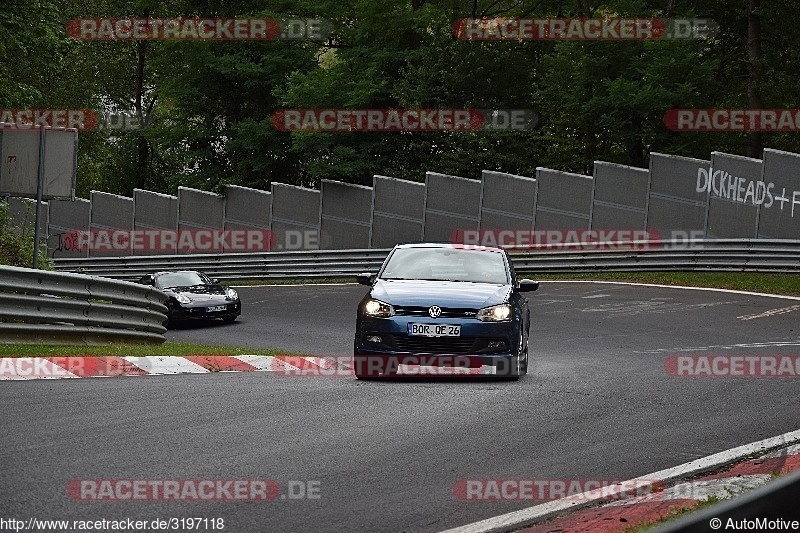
(196, 293)
(406, 293)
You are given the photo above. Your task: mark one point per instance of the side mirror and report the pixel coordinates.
(527, 285)
(215, 280)
(365, 278)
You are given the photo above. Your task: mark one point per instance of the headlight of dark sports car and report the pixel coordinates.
(378, 309)
(183, 299)
(231, 294)
(495, 313)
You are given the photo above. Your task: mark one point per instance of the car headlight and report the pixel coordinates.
(378, 309)
(230, 294)
(183, 299)
(495, 313)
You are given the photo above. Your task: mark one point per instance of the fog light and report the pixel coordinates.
(374, 338)
(497, 344)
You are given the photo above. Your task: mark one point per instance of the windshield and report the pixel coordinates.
(447, 264)
(181, 279)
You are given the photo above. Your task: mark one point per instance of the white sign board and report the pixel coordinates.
(19, 162)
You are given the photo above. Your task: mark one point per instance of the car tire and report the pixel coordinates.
(525, 361)
(230, 319)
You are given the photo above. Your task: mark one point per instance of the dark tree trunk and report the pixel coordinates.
(755, 142)
(142, 148)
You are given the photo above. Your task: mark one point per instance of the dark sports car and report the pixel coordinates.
(193, 295)
(442, 305)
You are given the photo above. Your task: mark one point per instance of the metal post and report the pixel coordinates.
(39, 188)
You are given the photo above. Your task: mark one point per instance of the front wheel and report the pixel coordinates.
(230, 319)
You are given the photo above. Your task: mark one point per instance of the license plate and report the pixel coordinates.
(215, 308)
(434, 330)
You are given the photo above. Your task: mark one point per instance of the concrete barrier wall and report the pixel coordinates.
(727, 197)
(154, 212)
(398, 210)
(564, 200)
(345, 215)
(779, 216)
(295, 217)
(109, 212)
(452, 204)
(247, 208)
(199, 210)
(675, 204)
(248, 211)
(735, 197)
(620, 197)
(507, 201)
(22, 214)
(63, 217)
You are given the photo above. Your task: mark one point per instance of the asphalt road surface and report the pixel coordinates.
(385, 455)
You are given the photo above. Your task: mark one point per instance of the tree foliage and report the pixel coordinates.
(205, 107)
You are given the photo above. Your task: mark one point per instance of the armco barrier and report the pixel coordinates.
(723, 255)
(63, 308)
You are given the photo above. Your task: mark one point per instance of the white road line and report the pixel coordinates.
(747, 293)
(774, 344)
(771, 312)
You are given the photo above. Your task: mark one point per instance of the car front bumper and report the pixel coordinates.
(481, 344)
(200, 310)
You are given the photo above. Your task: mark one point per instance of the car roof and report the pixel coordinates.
(450, 245)
(160, 272)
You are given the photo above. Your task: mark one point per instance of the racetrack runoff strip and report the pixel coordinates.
(573, 514)
(28, 368)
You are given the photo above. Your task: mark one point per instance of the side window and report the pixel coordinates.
(147, 280)
(511, 269)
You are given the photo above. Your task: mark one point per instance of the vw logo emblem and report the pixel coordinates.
(435, 311)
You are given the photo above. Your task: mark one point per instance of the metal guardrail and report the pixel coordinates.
(721, 255)
(37, 306)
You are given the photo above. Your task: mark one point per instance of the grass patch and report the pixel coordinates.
(786, 284)
(175, 349)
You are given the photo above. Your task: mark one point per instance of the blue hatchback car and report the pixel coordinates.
(443, 305)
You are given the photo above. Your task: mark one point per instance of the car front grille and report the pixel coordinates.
(447, 312)
(434, 345)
